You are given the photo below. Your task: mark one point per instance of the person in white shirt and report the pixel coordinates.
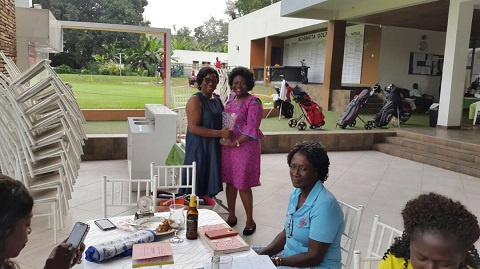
(423, 101)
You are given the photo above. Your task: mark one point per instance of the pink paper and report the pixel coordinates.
(151, 250)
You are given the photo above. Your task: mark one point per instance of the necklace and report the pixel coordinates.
(209, 97)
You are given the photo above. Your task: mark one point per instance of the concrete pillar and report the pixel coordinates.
(333, 60)
(454, 68)
(268, 58)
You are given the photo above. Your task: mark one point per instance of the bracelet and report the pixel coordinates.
(278, 261)
(238, 144)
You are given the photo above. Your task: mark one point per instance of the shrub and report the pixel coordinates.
(109, 69)
(64, 69)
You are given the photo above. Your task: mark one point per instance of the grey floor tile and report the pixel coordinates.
(380, 182)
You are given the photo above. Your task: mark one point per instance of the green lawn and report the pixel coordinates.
(115, 92)
(268, 125)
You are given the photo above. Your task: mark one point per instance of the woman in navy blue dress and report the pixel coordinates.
(204, 115)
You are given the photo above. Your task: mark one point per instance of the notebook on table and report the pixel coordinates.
(151, 254)
(222, 245)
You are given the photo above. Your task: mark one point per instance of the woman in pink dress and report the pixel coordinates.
(241, 152)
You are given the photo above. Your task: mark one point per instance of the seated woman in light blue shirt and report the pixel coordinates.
(314, 221)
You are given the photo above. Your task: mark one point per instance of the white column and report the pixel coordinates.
(168, 77)
(454, 68)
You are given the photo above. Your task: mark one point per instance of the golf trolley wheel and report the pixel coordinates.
(404, 119)
(368, 125)
(313, 127)
(353, 123)
(343, 126)
(292, 122)
(302, 126)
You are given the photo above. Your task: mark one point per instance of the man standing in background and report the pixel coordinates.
(218, 64)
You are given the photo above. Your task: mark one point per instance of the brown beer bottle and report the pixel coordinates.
(192, 219)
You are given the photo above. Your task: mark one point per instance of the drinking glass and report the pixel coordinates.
(176, 219)
(226, 262)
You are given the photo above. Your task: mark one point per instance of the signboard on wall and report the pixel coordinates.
(312, 47)
(425, 64)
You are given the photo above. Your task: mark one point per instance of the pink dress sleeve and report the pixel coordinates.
(251, 127)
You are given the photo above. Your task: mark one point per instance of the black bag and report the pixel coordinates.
(287, 110)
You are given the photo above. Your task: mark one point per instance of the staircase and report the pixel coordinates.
(456, 156)
(372, 106)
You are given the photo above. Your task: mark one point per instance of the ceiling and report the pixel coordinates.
(429, 16)
(418, 14)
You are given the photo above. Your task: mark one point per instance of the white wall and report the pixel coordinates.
(39, 28)
(23, 3)
(189, 56)
(259, 24)
(312, 48)
(397, 43)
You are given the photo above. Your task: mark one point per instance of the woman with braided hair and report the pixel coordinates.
(439, 233)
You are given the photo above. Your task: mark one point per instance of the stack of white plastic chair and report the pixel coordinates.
(223, 89)
(42, 134)
(180, 96)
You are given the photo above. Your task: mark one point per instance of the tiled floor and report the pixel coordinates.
(380, 182)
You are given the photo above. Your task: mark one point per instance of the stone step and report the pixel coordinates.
(440, 141)
(433, 148)
(472, 169)
(372, 111)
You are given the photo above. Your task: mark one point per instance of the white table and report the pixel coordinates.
(189, 254)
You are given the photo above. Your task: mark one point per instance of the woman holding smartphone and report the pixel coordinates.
(15, 218)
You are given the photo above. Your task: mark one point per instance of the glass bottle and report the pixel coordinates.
(192, 219)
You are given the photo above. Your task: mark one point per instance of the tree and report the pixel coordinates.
(238, 8)
(148, 56)
(183, 32)
(84, 44)
(212, 35)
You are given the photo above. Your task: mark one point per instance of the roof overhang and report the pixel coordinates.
(418, 14)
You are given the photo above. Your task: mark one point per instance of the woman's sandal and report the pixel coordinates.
(250, 231)
(233, 223)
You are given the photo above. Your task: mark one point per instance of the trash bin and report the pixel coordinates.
(433, 114)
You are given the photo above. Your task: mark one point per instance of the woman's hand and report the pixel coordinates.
(227, 143)
(63, 256)
(78, 256)
(225, 132)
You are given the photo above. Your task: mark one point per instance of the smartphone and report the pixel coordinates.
(105, 224)
(78, 234)
(226, 232)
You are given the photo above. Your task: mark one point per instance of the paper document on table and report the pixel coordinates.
(151, 250)
(261, 261)
(249, 262)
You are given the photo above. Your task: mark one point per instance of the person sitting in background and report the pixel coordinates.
(15, 218)
(472, 90)
(439, 233)
(422, 101)
(314, 224)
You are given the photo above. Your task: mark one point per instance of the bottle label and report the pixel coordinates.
(192, 223)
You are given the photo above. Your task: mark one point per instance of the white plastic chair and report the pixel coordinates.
(352, 216)
(119, 192)
(181, 123)
(51, 198)
(477, 110)
(180, 96)
(169, 177)
(381, 238)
